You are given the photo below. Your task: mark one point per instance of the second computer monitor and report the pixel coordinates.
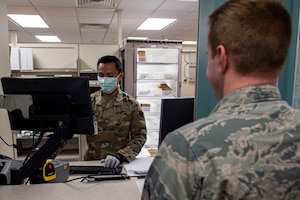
(175, 112)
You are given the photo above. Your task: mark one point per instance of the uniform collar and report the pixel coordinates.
(251, 94)
(113, 100)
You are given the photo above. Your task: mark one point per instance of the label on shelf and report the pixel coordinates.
(145, 107)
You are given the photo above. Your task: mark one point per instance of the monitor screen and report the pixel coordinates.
(175, 112)
(48, 102)
(60, 105)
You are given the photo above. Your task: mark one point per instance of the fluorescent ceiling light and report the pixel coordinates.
(47, 38)
(155, 23)
(29, 21)
(137, 38)
(189, 42)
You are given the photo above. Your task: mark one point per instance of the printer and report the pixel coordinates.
(7, 169)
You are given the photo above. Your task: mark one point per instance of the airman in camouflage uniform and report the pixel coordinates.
(121, 127)
(248, 147)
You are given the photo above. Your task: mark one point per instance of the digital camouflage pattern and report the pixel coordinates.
(121, 127)
(247, 148)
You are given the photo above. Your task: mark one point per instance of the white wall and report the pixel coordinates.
(5, 131)
(89, 54)
(4, 48)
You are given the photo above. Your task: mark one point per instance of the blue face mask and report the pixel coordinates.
(108, 84)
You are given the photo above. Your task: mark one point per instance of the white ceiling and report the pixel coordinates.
(65, 18)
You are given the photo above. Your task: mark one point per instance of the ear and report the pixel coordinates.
(223, 59)
(120, 77)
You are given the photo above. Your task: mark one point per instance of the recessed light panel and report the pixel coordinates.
(155, 23)
(28, 21)
(137, 38)
(190, 42)
(47, 38)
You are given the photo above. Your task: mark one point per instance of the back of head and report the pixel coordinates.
(256, 34)
(111, 59)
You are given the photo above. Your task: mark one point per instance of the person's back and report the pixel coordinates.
(251, 149)
(247, 148)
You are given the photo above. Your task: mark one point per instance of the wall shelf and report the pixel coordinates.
(45, 72)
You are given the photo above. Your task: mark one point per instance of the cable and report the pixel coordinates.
(74, 179)
(10, 145)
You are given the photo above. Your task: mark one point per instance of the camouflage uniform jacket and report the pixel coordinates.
(121, 127)
(247, 148)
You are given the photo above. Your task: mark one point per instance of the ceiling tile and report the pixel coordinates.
(65, 19)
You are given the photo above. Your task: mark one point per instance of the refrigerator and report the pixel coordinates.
(152, 71)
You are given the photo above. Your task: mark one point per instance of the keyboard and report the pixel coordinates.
(101, 170)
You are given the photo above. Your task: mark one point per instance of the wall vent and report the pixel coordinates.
(93, 26)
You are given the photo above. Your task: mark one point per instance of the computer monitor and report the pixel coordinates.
(58, 104)
(175, 112)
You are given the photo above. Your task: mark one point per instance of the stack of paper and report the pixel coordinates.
(139, 167)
